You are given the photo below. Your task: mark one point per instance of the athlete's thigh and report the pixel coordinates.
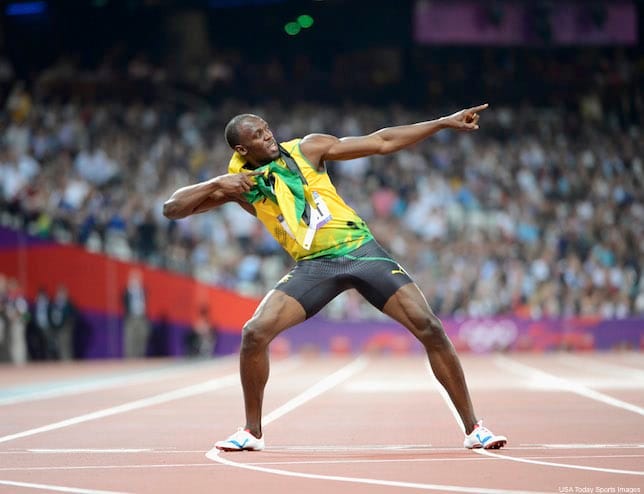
(314, 283)
(376, 275)
(409, 307)
(276, 312)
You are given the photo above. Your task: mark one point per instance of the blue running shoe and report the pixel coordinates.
(482, 437)
(242, 440)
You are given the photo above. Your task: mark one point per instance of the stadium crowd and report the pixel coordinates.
(541, 212)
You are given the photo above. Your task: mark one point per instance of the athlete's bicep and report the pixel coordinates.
(322, 147)
(210, 203)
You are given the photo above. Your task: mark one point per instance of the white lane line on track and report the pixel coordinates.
(559, 383)
(583, 446)
(330, 448)
(196, 389)
(360, 480)
(621, 371)
(113, 467)
(636, 357)
(177, 394)
(438, 449)
(317, 389)
(487, 452)
(325, 385)
(55, 488)
(429, 460)
(109, 451)
(441, 390)
(98, 383)
(403, 448)
(93, 450)
(564, 385)
(299, 462)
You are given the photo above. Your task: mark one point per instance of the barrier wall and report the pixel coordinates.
(96, 282)
(471, 335)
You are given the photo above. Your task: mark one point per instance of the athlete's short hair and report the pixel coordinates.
(231, 132)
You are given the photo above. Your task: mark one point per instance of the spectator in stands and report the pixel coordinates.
(136, 327)
(551, 178)
(4, 320)
(62, 318)
(14, 314)
(43, 344)
(201, 339)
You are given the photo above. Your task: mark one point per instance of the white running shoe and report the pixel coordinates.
(242, 440)
(482, 437)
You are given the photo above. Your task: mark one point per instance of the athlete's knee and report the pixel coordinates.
(431, 331)
(255, 335)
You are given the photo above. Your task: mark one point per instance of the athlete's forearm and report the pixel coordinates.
(186, 200)
(396, 138)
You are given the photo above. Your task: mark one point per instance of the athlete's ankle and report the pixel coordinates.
(255, 432)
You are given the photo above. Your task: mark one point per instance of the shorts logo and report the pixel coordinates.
(285, 278)
(400, 270)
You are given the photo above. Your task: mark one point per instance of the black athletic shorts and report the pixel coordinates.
(369, 269)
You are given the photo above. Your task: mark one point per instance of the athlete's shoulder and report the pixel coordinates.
(296, 148)
(236, 163)
(291, 146)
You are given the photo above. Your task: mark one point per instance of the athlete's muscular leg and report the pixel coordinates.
(409, 307)
(277, 312)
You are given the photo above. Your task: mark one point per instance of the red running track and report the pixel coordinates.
(366, 424)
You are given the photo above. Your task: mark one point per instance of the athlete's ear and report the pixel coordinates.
(241, 149)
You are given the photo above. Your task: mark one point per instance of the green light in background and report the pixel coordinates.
(292, 28)
(305, 21)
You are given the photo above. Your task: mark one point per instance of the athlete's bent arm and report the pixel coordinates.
(321, 147)
(208, 195)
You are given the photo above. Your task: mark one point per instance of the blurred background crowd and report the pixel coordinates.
(540, 213)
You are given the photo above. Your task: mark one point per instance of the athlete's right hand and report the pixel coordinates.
(236, 183)
(467, 119)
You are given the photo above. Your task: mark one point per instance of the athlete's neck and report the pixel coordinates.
(257, 164)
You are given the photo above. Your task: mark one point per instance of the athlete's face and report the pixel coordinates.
(257, 144)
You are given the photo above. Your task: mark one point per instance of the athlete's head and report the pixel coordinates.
(251, 137)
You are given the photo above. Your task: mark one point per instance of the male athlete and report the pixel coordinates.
(286, 186)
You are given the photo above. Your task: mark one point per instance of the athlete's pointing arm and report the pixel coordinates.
(322, 147)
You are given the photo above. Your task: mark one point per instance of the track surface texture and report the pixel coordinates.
(354, 424)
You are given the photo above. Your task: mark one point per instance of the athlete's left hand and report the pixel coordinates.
(467, 119)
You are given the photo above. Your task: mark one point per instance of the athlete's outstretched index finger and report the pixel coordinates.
(479, 108)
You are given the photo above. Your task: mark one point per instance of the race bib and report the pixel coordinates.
(320, 216)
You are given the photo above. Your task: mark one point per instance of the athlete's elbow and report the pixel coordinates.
(172, 211)
(385, 141)
(388, 147)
